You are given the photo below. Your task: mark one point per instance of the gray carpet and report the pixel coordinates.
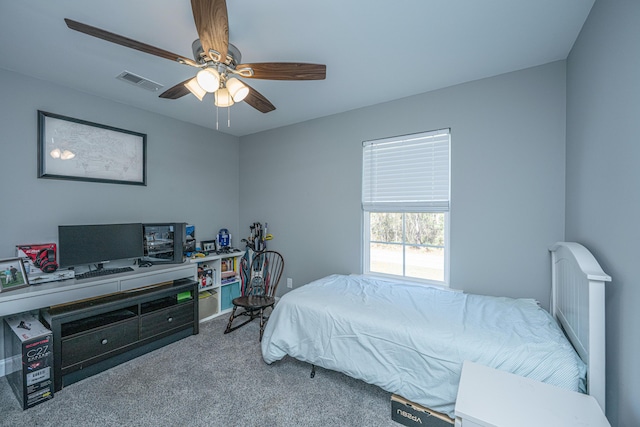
(209, 379)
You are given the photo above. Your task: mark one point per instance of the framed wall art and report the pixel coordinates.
(12, 274)
(75, 149)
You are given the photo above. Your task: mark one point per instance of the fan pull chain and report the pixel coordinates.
(228, 117)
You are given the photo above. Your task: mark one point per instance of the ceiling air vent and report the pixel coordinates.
(142, 82)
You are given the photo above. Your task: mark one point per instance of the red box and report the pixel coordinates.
(39, 257)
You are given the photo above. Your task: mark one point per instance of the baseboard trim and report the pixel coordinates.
(7, 365)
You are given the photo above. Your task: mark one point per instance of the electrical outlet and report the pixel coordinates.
(289, 282)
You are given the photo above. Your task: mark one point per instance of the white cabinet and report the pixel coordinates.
(219, 283)
(489, 397)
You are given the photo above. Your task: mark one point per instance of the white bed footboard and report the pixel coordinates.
(578, 303)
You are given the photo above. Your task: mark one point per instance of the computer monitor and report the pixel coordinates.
(96, 244)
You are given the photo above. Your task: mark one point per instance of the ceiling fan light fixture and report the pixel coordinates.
(55, 153)
(215, 59)
(223, 98)
(208, 79)
(195, 88)
(237, 89)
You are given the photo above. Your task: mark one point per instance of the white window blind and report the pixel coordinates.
(407, 174)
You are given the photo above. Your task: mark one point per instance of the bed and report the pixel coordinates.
(411, 339)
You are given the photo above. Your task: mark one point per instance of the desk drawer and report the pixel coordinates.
(98, 342)
(167, 319)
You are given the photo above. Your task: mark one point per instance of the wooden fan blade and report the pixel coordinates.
(177, 91)
(126, 42)
(284, 71)
(212, 23)
(258, 101)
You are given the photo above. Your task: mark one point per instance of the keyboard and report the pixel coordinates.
(102, 272)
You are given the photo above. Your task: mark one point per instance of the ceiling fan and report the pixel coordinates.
(218, 60)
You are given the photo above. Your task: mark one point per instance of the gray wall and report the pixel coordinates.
(508, 158)
(603, 201)
(191, 171)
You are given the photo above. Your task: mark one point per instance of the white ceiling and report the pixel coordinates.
(374, 51)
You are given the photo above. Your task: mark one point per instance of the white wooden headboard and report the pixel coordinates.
(578, 302)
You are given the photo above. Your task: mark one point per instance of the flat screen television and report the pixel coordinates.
(96, 244)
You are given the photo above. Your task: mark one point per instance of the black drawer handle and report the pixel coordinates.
(104, 341)
(169, 319)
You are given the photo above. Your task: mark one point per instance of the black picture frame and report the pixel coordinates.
(74, 149)
(209, 245)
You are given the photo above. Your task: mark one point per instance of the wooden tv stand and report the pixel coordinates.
(98, 333)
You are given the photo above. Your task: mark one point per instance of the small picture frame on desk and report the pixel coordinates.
(12, 274)
(209, 246)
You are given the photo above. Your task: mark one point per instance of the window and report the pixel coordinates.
(405, 202)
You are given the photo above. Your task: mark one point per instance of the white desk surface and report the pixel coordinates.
(52, 293)
(494, 398)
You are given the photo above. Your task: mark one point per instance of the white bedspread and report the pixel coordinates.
(411, 340)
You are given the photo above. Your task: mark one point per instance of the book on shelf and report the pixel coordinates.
(230, 279)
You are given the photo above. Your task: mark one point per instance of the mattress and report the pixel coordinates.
(412, 339)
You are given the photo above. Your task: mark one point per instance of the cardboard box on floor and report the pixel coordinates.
(411, 414)
(28, 345)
